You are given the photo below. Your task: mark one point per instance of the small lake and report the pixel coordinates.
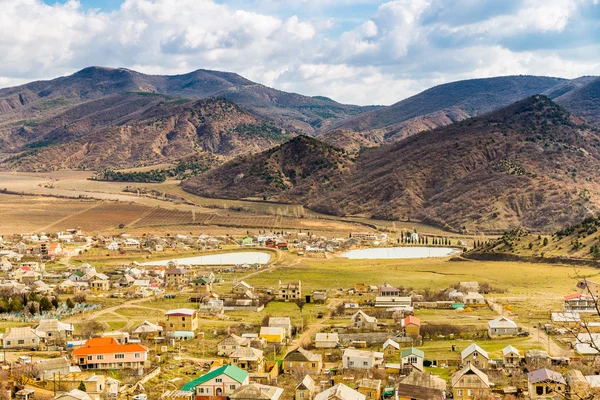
(400, 252)
(243, 257)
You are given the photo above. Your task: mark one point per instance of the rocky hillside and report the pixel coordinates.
(443, 105)
(35, 103)
(583, 100)
(530, 164)
(303, 168)
(163, 130)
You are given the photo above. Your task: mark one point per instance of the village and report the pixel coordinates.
(182, 317)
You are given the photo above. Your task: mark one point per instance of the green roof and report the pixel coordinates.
(412, 351)
(230, 370)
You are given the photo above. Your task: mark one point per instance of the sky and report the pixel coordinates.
(354, 51)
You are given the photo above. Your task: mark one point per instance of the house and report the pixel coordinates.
(107, 353)
(387, 290)
(329, 340)
(566, 319)
(95, 385)
(537, 358)
(305, 389)
(579, 303)
(53, 331)
(74, 394)
(46, 369)
(177, 395)
(204, 284)
(131, 244)
(470, 383)
(511, 356)
(230, 344)
(412, 358)
(290, 291)
(340, 392)
(99, 285)
(182, 319)
(587, 343)
(241, 288)
(502, 327)
(412, 326)
(361, 359)
(546, 384)
(256, 391)
(390, 349)
(474, 298)
(360, 320)
(589, 287)
(176, 277)
(272, 335)
(421, 386)
(148, 330)
(395, 302)
(578, 386)
(371, 388)
(21, 338)
(112, 246)
(475, 355)
(249, 359)
(126, 280)
(303, 359)
(319, 296)
(222, 381)
(282, 322)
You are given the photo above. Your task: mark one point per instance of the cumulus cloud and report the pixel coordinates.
(393, 49)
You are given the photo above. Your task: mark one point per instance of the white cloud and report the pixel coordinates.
(396, 50)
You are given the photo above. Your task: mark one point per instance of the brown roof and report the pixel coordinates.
(419, 392)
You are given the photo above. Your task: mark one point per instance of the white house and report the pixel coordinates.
(327, 340)
(361, 359)
(412, 358)
(502, 326)
(222, 381)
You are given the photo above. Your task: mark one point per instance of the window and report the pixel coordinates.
(183, 318)
(219, 380)
(365, 363)
(137, 355)
(89, 358)
(232, 387)
(21, 342)
(301, 395)
(459, 392)
(171, 325)
(208, 390)
(469, 392)
(314, 365)
(369, 394)
(100, 357)
(183, 325)
(201, 390)
(119, 356)
(539, 390)
(351, 363)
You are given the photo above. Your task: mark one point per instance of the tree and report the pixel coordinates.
(55, 303)
(545, 241)
(45, 304)
(82, 387)
(90, 328)
(79, 298)
(70, 303)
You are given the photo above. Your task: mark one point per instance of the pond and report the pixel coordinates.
(400, 252)
(243, 257)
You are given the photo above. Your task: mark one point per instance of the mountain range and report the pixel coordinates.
(481, 154)
(530, 164)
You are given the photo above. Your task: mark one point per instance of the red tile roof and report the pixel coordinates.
(107, 346)
(411, 320)
(578, 296)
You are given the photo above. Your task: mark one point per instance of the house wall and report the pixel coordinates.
(546, 388)
(357, 362)
(314, 367)
(480, 361)
(469, 387)
(182, 323)
(221, 385)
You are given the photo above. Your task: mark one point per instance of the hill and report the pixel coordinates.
(580, 241)
(160, 131)
(27, 111)
(444, 104)
(583, 99)
(301, 169)
(529, 164)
